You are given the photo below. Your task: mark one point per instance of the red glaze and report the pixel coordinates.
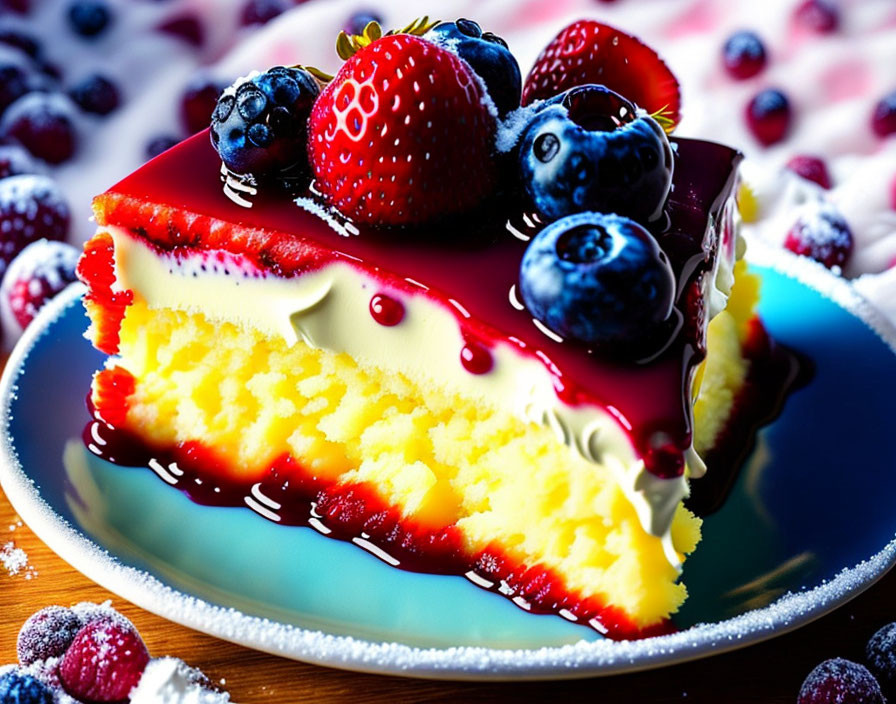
(355, 510)
(476, 358)
(95, 268)
(386, 310)
(176, 203)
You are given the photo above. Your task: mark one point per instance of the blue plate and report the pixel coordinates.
(808, 525)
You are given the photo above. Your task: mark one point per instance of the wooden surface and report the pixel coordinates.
(770, 672)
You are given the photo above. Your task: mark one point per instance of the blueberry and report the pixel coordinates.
(19, 688)
(257, 12)
(768, 116)
(840, 681)
(44, 123)
(89, 17)
(96, 94)
(744, 54)
(198, 101)
(259, 126)
(359, 20)
(600, 279)
(588, 149)
(488, 55)
(159, 144)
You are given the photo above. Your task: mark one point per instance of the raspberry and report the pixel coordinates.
(880, 653)
(19, 688)
(44, 123)
(822, 234)
(38, 273)
(768, 116)
(31, 207)
(811, 168)
(840, 681)
(14, 160)
(96, 94)
(47, 634)
(104, 661)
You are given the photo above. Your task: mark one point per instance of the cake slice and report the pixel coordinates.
(395, 383)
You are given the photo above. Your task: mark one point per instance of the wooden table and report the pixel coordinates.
(768, 673)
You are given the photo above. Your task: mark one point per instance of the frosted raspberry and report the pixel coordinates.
(31, 208)
(840, 681)
(37, 274)
(104, 661)
(822, 234)
(881, 656)
(47, 634)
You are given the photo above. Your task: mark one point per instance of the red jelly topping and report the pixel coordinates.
(476, 358)
(96, 269)
(386, 310)
(176, 203)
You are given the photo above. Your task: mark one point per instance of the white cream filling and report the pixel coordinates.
(329, 309)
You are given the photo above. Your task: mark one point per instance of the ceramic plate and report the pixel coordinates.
(808, 525)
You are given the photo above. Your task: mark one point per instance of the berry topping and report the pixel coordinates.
(96, 94)
(104, 661)
(401, 135)
(263, 11)
(14, 160)
(822, 16)
(822, 234)
(489, 58)
(186, 27)
(159, 144)
(19, 688)
(39, 272)
(476, 358)
(89, 17)
(31, 207)
(883, 119)
(840, 681)
(811, 168)
(259, 126)
(386, 310)
(768, 116)
(15, 77)
(600, 279)
(591, 52)
(198, 102)
(880, 653)
(588, 149)
(47, 634)
(358, 21)
(44, 123)
(743, 54)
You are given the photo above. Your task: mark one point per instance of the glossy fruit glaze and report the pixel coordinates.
(290, 495)
(176, 204)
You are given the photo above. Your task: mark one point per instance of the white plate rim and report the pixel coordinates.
(582, 659)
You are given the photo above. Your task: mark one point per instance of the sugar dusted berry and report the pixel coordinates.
(488, 56)
(821, 16)
(840, 681)
(96, 94)
(883, 119)
(822, 234)
(880, 654)
(600, 279)
(198, 101)
(743, 54)
(589, 149)
(47, 634)
(14, 160)
(104, 661)
(31, 207)
(811, 168)
(768, 116)
(19, 688)
(44, 123)
(89, 18)
(259, 126)
(37, 274)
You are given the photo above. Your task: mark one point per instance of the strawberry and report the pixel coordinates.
(402, 135)
(591, 52)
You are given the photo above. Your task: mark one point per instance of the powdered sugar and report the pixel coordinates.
(171, 681)
(15, 561)
(511, 128)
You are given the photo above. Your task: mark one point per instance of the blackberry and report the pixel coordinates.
(260, 126)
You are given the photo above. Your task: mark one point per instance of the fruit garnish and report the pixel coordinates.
(37, 274)
(600, 279)
(197, 103)
(89, 18)
(591, 52)
(15, 161)
(402, 135)
(840, 681)
(44, 123)
(590, 149)
(257, 12)
(810, 168)
(96, 94)
(743, 54)
(31, 207)
(768, 116)
(47, 634)
(20, 688)
(880, 653)
(356, 23)
(259, 125)
(822, 234)
(883, 119)
(488, 55)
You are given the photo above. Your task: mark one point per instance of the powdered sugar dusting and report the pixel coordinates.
(15, 561)
(511, 128)
(172, 681)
